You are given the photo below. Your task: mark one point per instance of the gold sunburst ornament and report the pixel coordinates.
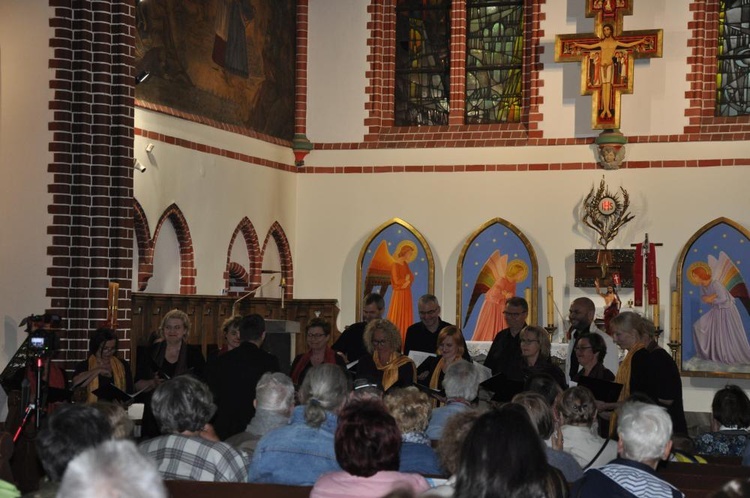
(606, 212)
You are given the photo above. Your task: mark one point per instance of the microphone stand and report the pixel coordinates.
(235, 306)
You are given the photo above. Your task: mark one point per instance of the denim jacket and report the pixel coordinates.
(296, 454)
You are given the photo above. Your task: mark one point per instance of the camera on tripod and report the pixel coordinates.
(42, 337)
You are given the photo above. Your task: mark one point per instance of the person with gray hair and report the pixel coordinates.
(299, 453)
(189, 448)
(114, 469)
(274, 402)
(423, 335)
(645, 433)
(461, 384)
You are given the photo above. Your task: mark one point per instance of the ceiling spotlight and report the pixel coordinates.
(137, 165)
(142, 76)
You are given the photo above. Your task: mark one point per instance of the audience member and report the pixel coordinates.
(234, 375)
(504, 456)
(103, 368)
(114, 469)
(590, 351)
(730, 423)
(577, 410)
(461, 384)
(581, 315)
(317, 334)
(367, 448)
(422, 336)
(385, 363)
(504, 355)
(536, 354)
(351, 342)
(189, 448)
(301, 452)
(451, 347)
(411, 408)
(543, 421)
(274, 402)
(366, 389)
(736, 488)
(122, 424)
(64, 434)
(644, 438)
(545, 385)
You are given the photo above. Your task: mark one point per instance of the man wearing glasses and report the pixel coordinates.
(581, 315)
(505, 353)
(422, 336)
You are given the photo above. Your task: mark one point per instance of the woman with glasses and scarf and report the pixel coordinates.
(103, 368)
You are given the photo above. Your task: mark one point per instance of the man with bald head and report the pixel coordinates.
(581, 316)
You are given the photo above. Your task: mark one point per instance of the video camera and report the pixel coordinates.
(43, 340)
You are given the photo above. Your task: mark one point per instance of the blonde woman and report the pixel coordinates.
(385, 364)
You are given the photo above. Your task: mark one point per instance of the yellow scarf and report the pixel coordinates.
(623, 377)
(118, 377)
(390, 368)
(435, 379)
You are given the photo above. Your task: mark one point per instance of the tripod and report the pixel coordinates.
(35, 405)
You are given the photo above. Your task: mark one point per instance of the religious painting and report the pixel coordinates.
(230, 61)
(396, 262)
(496, 263)
(712, 281)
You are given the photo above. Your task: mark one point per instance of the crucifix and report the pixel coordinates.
(607, 57)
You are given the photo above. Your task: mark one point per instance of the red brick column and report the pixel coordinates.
(91, 169)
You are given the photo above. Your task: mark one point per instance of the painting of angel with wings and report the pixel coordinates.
(719, 334)
(497, 281)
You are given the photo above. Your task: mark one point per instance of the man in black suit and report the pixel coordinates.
(233, 376)
(350, 343)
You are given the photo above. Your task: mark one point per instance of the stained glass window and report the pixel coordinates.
(494, 56)
(733, 77)
(422, 62)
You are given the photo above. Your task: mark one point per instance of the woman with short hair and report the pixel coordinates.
(730, 423)
(102, 369)
(536, 354)
(451, 347)
(385, 363)
(368, 445)
(317, 334)
(590, 350)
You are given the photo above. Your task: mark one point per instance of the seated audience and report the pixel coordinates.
(411, 408)
(730, 421)
(502, 456)
(102, 368)
(367, 448)
(114, 469)
(122, 424)
(64, 434)
(189, 448)
(449, 449)
(544, 385)
(461, 384)
(590, 350)
(535, 351)
(385, 363)
(317, 333)
(274, 402)
(451, 347)
(577, 411)
(543, 421)
(301, 452)
(645, 433)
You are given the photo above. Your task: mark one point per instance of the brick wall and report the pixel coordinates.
(91, 168)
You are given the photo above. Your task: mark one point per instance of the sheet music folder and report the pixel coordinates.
(603, 390)
(503, 388)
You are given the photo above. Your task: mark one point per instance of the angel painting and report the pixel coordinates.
(719, 334)
(497, 281)
(396, 266)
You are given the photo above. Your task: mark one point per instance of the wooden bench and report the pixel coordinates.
(700, 480)
(196, 489)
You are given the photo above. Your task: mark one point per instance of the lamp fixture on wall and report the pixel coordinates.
(149, 148)
(141, 77)
(137, 165)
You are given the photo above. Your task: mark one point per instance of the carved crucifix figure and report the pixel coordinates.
(607, 57)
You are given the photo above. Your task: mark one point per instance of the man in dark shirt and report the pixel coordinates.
(505, 353)
(422, 336)
(350, 342)
(234, 375)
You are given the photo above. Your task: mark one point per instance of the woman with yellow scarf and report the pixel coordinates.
(102, 368)
(451, 347)
(385, 363)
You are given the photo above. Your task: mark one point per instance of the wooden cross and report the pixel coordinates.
(607, 57)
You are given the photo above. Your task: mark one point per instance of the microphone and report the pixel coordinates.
(237, 302)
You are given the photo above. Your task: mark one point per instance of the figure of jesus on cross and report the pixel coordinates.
(607, 58)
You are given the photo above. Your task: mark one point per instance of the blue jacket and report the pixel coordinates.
(296, 454)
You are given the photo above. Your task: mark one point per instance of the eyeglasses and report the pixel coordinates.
(108, 350)
(510, 313)
(315, 336)
(529, 341)
(582, 348)
(379, 342)
(428, 312)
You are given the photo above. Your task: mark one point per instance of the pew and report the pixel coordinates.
(195, 489)
(700, 480)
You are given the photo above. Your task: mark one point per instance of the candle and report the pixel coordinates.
(550, 302)
(673, 318)
(656, 306)
(527, 296)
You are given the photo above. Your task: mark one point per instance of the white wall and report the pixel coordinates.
(24, 97)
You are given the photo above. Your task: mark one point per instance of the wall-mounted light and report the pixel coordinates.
(149, 148)
(137, 165)
(142, 76)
